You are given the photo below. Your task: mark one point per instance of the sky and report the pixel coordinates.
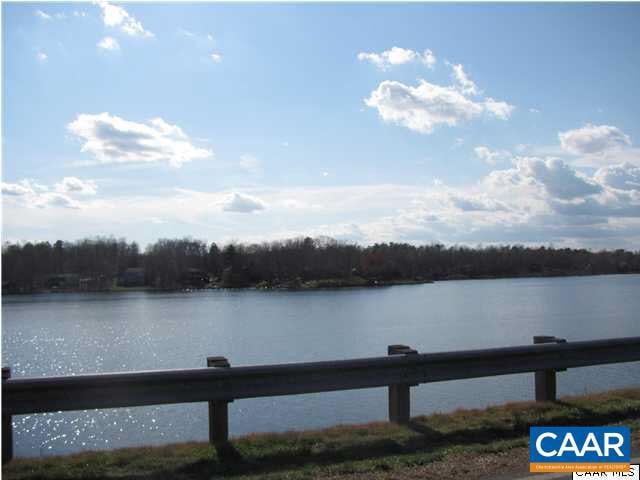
(470, 124)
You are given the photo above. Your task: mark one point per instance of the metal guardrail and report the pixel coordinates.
(401, 369)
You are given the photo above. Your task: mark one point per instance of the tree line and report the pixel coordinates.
(180, 263)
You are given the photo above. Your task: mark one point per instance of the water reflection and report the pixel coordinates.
(68, 334)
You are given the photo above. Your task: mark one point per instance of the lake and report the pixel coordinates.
(67, 333)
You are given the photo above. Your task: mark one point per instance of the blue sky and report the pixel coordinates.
(453, 123)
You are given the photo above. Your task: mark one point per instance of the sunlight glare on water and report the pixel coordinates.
(70, 334)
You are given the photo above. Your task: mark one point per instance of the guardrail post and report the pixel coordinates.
(7, 428)
(545, 380)
(399, 394)
(218, 410)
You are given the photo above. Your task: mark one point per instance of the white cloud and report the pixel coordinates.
(111, 139)
(560, 180)
(465, 84)
(76, 185)
(79, 13)
(109, 43)
(30, 194)
(605, 209)
(216, 57)
(117, 17)
(567, 205)
(57, 200)
(593, 139)
(622, 177)
(429, 59)
(242, 203)
(250, 163)
(42, 15)
(502, 110)
(478, 203)
(34, 185)
(607, 158)
(542, 178)
(16, 189)
(537, 201)
(398, 56)
(42, 57)
(491, 157)
(423, 107)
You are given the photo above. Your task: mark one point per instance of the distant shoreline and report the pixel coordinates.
(106, 264)
(311, 285)
(293, 286)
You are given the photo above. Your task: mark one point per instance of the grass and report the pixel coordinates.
(474, 443)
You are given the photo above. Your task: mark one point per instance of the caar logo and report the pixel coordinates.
(579, 449)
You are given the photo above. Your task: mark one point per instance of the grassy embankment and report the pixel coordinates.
(488, 443)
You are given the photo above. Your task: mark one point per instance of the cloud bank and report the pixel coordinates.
(535, 200)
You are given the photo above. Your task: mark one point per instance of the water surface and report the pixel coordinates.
(66, 334)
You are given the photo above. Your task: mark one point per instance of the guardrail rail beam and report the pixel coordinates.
(219, 384)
